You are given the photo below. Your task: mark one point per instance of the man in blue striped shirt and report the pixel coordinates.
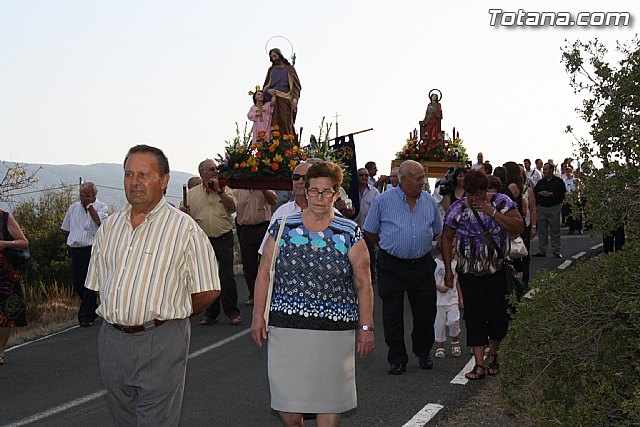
(403, 222)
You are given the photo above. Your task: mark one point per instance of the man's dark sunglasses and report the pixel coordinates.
(297, 176)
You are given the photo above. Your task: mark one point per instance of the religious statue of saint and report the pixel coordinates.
(431, 126)
(260, 114)
(283, 85)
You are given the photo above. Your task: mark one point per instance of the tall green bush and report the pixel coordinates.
(40, 221)
(572, 356)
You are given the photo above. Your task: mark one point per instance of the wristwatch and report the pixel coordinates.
(366, 328)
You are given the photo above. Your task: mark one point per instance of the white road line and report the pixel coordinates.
(218, 344)
(565, 265)
(424, 416)
(578, 255)
(97, 394)
(58, 409)
(460, 378)
(596, 246)
(41, 338)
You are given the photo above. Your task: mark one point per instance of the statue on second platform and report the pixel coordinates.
(431, 126)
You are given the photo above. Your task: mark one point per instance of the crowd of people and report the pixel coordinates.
(311, 266)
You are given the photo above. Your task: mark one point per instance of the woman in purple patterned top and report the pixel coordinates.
(480, 264)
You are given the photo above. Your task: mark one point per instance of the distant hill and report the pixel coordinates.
(107, 176)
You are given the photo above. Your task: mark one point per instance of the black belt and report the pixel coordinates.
(221, 236)
(406, 260)
(155, 323)
(79, 249)
(253, 225)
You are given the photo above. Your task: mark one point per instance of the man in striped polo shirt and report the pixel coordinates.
(153, 267)
(81, 222)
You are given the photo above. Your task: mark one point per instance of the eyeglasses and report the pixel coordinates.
(326, 194)
(363, 174)
(297, 176)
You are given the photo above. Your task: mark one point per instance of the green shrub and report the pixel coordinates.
(572, 356)
(40, 221)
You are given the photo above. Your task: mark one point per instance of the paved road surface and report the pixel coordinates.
(56, 382)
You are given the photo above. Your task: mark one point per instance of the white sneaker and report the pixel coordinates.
(440, 352)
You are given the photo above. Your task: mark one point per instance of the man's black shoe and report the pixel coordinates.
(397, 368)
(539, 255)
(85, 324)
(426, 362)
(559, 256)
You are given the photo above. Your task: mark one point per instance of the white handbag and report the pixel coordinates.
(517, 249)
(272, 271)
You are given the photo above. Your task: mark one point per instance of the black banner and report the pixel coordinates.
(346, 148)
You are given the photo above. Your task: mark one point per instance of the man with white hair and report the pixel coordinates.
(403, 223)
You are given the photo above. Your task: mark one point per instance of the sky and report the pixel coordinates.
(81, 81)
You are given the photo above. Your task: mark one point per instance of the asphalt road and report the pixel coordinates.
(55, 381)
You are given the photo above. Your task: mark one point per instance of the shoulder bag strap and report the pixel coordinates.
(485, 231)
(272, 267)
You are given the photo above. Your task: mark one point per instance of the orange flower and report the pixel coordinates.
(305, 157)
(258, 154)
(272, 148)
(288, 137)
(275, 166)
(261, 134)
(243, 164)
(236, 166)
(254, 169)
(275, 127)
(288, 153)
(275, 134)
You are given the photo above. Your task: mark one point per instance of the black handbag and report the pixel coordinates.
(512, 283)
(16, 257)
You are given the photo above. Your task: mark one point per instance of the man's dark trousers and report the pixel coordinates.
(250, 238)
(415, 277)
(223, 247)
(89, 299)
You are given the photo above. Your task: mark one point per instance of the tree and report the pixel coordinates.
(15, 178)
(611, 106)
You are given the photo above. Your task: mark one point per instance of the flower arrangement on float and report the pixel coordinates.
(433, 150)
(273, 158)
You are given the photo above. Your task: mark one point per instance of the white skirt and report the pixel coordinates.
(312, 371)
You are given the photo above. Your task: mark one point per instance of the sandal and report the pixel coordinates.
(206, 320)
(455, 349)
(475, 374)
(494, 367)
(439, 352)
(236, 320)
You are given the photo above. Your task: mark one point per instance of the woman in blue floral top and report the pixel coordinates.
(480, 264)
(322, 295)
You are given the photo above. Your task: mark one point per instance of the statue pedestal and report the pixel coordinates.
(432, 169)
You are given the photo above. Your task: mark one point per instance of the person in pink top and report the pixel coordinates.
(260, 114)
